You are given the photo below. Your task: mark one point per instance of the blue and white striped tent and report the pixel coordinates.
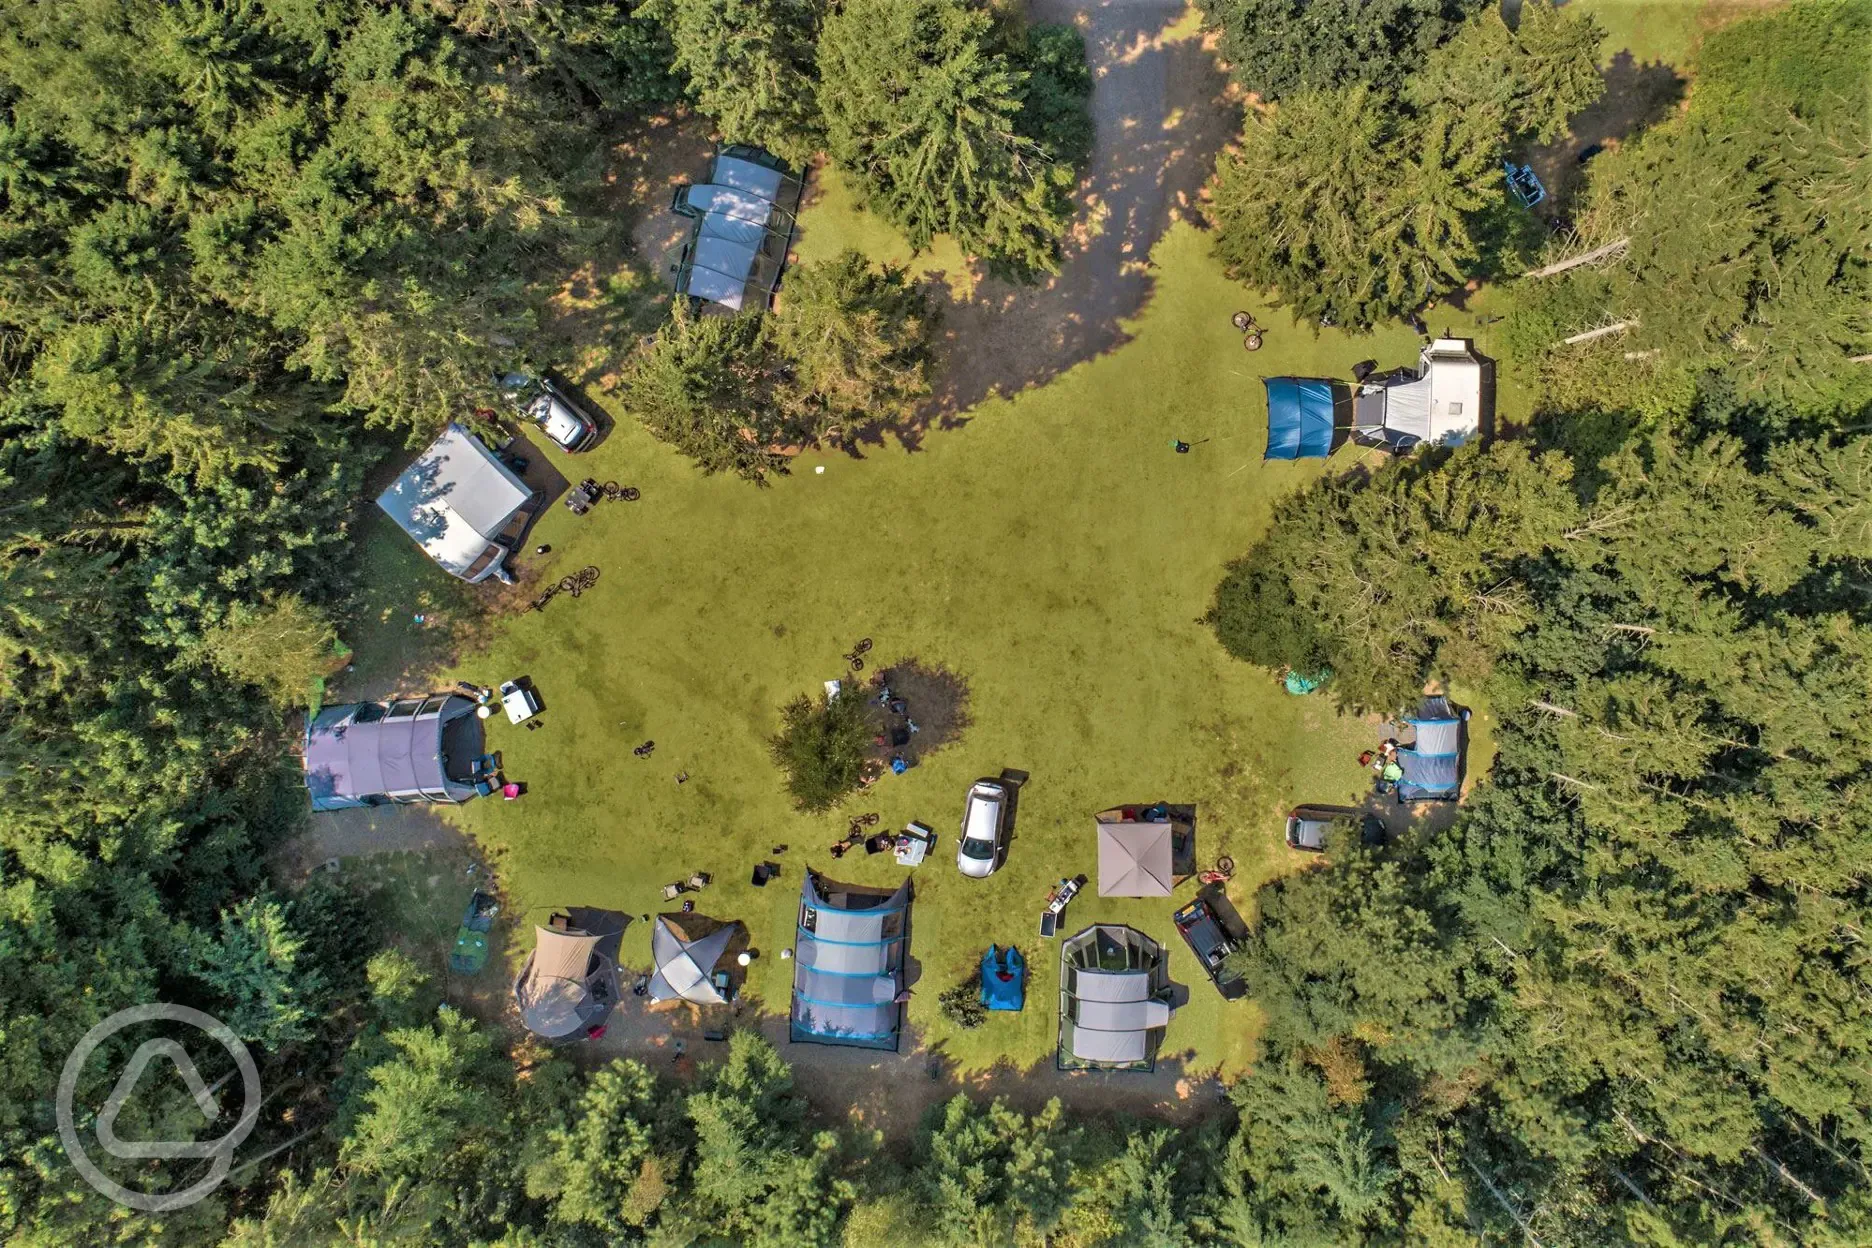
(848, 965)
(1433, 762)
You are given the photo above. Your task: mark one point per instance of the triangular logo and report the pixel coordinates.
(184, 1065)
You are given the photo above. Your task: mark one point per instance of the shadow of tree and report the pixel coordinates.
(1636, 98)
(1161, 118)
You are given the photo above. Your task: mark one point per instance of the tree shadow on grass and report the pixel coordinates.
(1161, 118)
(1636, 98)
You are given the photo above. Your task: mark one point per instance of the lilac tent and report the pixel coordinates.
(415, 750)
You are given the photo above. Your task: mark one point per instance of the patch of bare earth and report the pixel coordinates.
(927, 708)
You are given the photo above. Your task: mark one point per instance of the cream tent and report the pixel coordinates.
(567, 986)
(1135, 860)
(684, 967)
(1114, 1000)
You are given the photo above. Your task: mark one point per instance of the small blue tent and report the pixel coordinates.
(1300, 418)
(1003, 978)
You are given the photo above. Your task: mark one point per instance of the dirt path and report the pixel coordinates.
(1161, 119)
(369, 830)
(891, 1092)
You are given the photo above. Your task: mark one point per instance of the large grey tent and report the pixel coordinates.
(1114, 1000)
(567, 986)
(461, 504)
(743, 227)
(1135, 860)
(1432, 762)
(367, 753)
(848, 964)
(685, 967)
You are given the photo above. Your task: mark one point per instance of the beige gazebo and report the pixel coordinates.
(1135, 859)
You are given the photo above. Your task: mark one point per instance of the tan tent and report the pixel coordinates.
(1134, 860)
(566, 986)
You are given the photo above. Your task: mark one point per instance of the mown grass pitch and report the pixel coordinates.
(1052, 550)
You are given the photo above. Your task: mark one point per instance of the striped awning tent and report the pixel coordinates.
(849, 951)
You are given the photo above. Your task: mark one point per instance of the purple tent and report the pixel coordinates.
(420, 750)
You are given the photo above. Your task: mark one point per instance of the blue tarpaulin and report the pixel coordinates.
(1300, 418)
(1003, 978)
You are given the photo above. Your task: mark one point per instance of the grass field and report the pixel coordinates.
(1052, 550)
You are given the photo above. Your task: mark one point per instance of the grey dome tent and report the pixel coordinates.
(743, 227)
(848, 965)
(567, 986)
(1135, 860)
(1114, 1000)
(685, 968)
(416, 750)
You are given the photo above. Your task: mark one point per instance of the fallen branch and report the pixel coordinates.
(1616, 327)
(1594, 256)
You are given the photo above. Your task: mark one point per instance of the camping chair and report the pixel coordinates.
(487, 765)
(672, 891)
(486, 787)
(699, 881)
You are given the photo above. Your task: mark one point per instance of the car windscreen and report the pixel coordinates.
(977, 849)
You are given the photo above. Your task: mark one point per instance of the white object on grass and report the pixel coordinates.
(820, 470)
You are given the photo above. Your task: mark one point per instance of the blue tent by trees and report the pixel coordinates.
(1003, 978)
(1300, 417)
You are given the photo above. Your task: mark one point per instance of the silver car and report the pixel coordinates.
(559, 419)
(983, 818)
(545, 405)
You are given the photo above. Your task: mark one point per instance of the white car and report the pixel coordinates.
(550, 409)
(559, 419)
(983, 818)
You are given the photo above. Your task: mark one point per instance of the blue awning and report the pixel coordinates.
(1300, 418)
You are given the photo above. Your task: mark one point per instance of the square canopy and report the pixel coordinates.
(685, 967)
(1135, 860)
